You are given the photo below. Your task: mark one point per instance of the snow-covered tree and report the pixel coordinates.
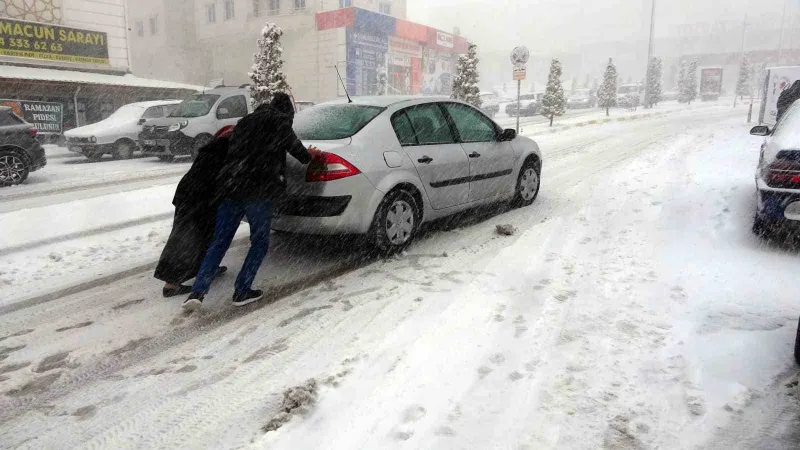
(465, 81)
(607, 96)
(743, 86)
(687, 84)
(654, 89)
(266, 73)
(554, 103)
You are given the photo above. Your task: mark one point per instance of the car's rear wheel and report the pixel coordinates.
(13, 168)
(763, 228)
(528, 183)
(396, 222)
(123, 150)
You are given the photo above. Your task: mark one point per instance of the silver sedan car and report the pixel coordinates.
(388, 164)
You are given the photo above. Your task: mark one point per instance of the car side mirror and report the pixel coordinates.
(223, 113)
(760, 130)
(142, 121)
(508, 135)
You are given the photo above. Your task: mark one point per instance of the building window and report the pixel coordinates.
(229, 13)
(256, 8)
(385, 8)
(274, 7)
(299, 5)
(153, 24)
(211, 13)
(140, 28)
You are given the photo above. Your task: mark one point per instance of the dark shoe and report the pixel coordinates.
(245, 298)
(172, 292)
(194, 302)
(221, 270)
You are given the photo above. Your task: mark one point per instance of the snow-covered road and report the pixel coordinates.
(632, 310)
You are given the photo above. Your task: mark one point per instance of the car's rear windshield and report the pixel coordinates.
(331, 122)
(628, 89)
(197, 105)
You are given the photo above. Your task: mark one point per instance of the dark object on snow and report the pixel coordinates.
(788, 97)
(195, 216)
(256, 162)
(506, 230)
(797, 346)
(296, 400)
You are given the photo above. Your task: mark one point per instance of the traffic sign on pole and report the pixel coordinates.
(520, 73)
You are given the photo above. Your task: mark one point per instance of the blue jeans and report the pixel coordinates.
(229, 216)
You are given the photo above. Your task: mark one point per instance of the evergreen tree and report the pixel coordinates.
(654, 89)
(682, 82)
(554, 103)
(607, 96)
(465, 81)
(743, 85)
(266, 73)
(689, 90)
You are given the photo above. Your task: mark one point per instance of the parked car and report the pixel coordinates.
(195, 122)
(388, 164)
(490, 104)
(528, 105)
(118, 133)
(20, 152)
(669, 95)
(630, 95)
(582, 98)
(778, 175)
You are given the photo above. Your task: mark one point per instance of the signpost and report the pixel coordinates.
(519, 57)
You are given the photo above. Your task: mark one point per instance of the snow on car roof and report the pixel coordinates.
(385, 100)
(69, 76)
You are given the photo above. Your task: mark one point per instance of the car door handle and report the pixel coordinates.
(425, 160)
(474, 155)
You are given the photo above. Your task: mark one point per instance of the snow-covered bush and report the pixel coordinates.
(266, 73)
(465, 81)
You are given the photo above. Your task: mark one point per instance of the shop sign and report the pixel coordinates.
(368, 39)
(46, 117)
(444, 40)
(52, 42)
(400, 60)
(400, 46)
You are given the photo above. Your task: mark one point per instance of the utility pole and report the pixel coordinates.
(649, 57)
(741, 57)
(783, 22)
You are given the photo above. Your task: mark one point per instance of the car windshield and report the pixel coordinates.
(580, 94)
(628, 89)
(331, 122)
(197, 105)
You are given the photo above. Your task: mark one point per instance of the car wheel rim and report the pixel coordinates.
(528, 184)
(124, 151)
(399, 222)
(11, 169)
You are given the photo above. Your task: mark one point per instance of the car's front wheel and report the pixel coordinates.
(123, 150)
(396, 222)
(528, 183)
(13, 168)
(763, 228)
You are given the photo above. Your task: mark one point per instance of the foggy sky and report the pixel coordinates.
(563, 25)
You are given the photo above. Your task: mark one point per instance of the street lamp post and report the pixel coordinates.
(647, 86)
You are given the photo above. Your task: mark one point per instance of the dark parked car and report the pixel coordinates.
(528, 105)
(20, 152)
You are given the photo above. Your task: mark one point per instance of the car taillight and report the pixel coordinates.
(326, 166)
(34, 132)
(783, 173)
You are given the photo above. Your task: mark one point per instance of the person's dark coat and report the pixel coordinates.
(195, 215)
(788, 97)
(255, 166)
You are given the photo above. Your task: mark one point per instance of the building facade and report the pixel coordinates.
(365, 39)
(70, 58)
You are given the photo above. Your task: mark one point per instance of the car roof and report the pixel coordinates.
(225, 90)
(156, 103)
(384, 101)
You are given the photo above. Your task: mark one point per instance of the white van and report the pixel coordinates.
(118, 133)
(194, 122)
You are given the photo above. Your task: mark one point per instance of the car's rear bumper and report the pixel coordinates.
(777, 205)
(337, 207)
(38, 158)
